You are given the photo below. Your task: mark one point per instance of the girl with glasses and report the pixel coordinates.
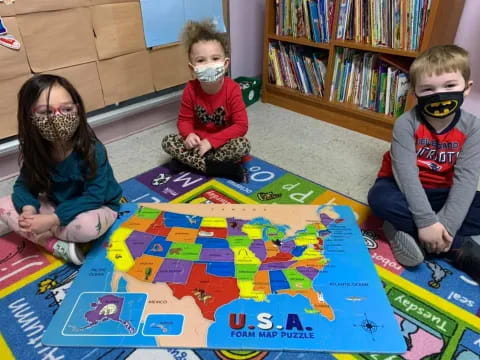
(66, 193)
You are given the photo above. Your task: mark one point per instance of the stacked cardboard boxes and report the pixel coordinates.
(97, 44)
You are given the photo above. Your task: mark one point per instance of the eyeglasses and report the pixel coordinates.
(64, 109)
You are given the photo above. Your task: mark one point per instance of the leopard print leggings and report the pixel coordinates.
(234, 150)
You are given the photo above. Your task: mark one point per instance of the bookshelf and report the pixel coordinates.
(440, 28)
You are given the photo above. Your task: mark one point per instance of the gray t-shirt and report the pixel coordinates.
(422, 158)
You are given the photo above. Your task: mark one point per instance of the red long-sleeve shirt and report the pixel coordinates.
(422, 158)
(218, 118)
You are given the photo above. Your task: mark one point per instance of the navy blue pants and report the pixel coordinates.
(388, 202)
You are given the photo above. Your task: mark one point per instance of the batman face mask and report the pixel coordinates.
(440, 105)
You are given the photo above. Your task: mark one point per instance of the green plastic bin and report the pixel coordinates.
(250, 89)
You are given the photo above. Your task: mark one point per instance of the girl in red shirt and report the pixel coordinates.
(213, 120)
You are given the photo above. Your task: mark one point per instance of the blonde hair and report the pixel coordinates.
(194, 32)
(439, 60)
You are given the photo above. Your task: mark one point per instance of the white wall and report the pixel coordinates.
(246, 34)
(467, 37)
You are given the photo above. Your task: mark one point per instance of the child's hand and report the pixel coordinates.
(24, 222)
(448, 239)
(25, 217)
(192, 141)
(204, 147)
(41, 223)
(29, 209)
(433, 238)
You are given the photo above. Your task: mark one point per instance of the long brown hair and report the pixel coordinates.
(35, 152)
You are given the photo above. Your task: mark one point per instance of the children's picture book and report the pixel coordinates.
(401, 93)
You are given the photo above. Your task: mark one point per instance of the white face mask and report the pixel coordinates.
(210, 72)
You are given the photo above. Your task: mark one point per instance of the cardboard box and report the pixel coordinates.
(169, 66)
(86, 80)
(8, 105)
(7, 10)
(118, 29)
(30, 6)
(14, 63)
(58, 39)
(126, 77)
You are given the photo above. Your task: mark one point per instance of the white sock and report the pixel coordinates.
(4, 229)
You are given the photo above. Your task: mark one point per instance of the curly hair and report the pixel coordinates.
(195, 31)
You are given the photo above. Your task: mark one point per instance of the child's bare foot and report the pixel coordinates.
(41, 239)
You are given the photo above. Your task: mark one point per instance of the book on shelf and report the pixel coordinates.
(297, 67)
(315, 21)
(390, 109)
(388, 90)
(373, 89)
(306, 19)
(397, 24)
(381, 89)
(342, 14)
(320, 67)
(364, 79)
(401, 93)
(278, 13)
(310, 19)
(274, 62)
(336, 73)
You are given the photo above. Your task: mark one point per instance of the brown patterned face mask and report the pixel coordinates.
(57, 127)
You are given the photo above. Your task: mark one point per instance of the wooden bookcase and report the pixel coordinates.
(440, 29)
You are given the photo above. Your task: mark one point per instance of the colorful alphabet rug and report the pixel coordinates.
(436, 306)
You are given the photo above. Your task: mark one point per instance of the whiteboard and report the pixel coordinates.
(163, 20)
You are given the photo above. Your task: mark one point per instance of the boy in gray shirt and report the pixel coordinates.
(426, 190)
